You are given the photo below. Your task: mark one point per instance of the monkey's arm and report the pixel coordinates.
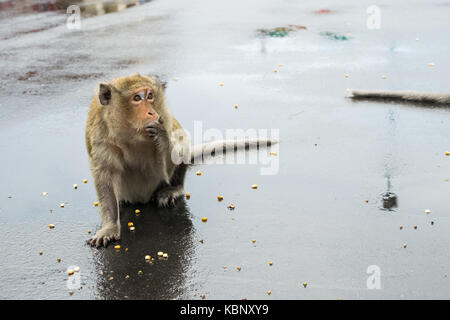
(109, 210)
(167, 194)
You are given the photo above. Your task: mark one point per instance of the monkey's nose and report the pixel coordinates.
(153, 115)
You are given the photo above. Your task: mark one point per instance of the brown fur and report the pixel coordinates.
(128, 164)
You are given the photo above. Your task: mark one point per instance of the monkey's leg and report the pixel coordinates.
(168, 195)
(109, 209)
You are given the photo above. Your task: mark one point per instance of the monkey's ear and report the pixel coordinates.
(104, 93)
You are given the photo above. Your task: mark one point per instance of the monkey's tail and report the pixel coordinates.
(405, 96)
(207, 150)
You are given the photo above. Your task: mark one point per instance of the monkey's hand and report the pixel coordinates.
(105, 235)
(156, 129)
(158, 133)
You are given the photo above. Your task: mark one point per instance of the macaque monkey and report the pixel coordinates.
(130, 142)
(401, 96)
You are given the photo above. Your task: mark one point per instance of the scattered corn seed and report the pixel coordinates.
(84, 180)
(140, 272)
(58, 259)
(231, 206)
(235, 106)
(76, 269)
(51, 226)
(132, 228)
(165, 255)
(346, 75)
(221, 84)
(126, 249)
(220, 198)
(130, 224)
(255, 186)
(253, 241)
(75, 186)
(96, 204)
(269, 292)
(447, 153)
(304, 284)
(160, 253)
(204, 219)
(127, 276)
(224, 267)
(175, 79)
(201, 240)
(199, 173)
(62, 204)
(89, 231)
(203, 296)
(401, 227)
(427, 211)
(431, 64)
(383, 77)
(44, 193)
(71, 292)
(111, 278)
(404, 245)
(50, 210)
(188, 195)
(137, 211)
(415, 227)
(239, 268)
(117, 247)
(275, 70)
(147, 257)
(280, 65)
(273, 153)
(270, 263)
(41, 253)
(70, 272)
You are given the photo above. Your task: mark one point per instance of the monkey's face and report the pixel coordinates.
(141, 102)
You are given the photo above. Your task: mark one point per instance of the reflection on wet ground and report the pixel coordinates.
(350, 173)
(87, 7)
(125, 274)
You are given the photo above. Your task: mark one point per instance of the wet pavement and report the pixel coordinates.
(350, 173)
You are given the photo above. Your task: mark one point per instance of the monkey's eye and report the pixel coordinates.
(137, 97)
(149, 95)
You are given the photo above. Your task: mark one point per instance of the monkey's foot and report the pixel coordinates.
(168, 196)
(105, 235)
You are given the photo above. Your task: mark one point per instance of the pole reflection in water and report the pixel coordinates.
(389, 198)
(125, 273)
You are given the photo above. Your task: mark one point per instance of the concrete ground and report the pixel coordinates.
(320, 219)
